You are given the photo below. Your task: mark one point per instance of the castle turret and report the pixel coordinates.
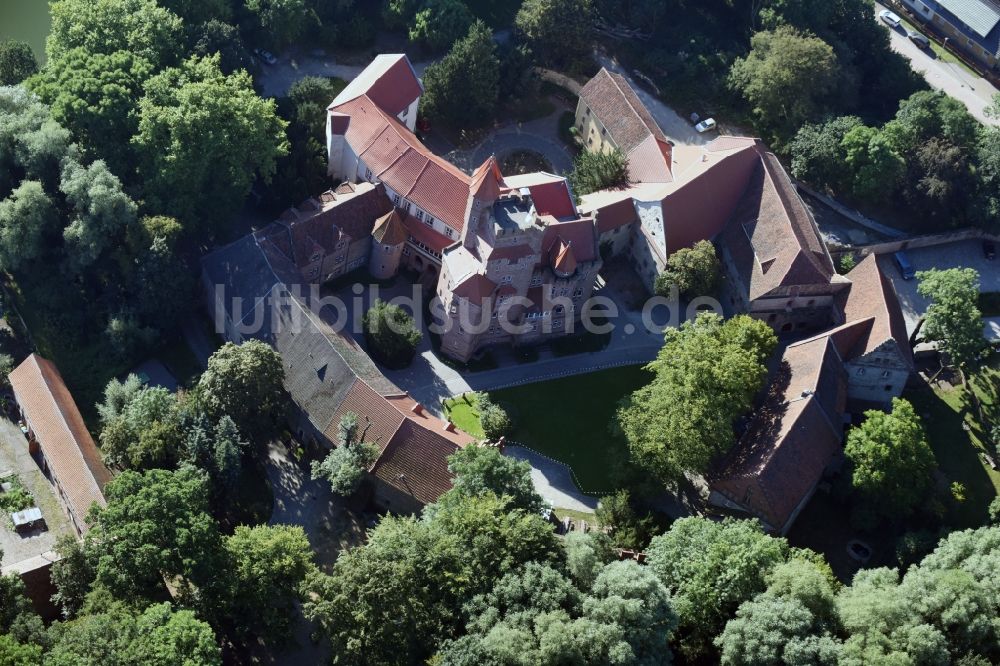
(388, 239)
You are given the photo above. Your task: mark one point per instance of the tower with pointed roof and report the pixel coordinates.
(388, 239)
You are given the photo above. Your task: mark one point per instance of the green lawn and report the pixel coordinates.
(567, 419)
(958, 450)
(462, 411)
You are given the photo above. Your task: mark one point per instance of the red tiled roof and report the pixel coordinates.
(578, 233)
(389, 80)
(650, 162)
(61, 433)
(476, 288)
(549, 193)
(486, 180)
(378, 421)
(510, 252)
(562, 258)
(398, 159)
(426, 235)
(872, 296)
(616, 214)
(792, 438)
(389, 229)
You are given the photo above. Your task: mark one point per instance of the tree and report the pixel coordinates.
(891, 463)
(787, 78)
(346, 466)
(494, 418)
(928, 114)
(586, 555)
(266, 566)
(695, 271)
(35, 147)
(439, 23)
(628, 529)
(216, 36)
(146, 433)
(27, 217)
(117, 396)
(17, 62)
(17, 618)
(558, 32)
(73, 574)
(279, 23)
(818, 155)
(165, 290)
(706, 376)
(120, 636)
(93, 94)
(941, 183)
(875, 165)
(13, 653)
(139, 27)
(480, 470)
(462, 88)
(987, 157)
(244, 382)
(953, 318)
(196, 12)
(196, 123)
(390, 334)
(792, 622)
(309, 97)
(711, 568)
(424, 571)
(156, 525)
(102, 212)
(599, 171)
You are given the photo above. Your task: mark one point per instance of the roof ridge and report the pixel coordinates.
(627, 100)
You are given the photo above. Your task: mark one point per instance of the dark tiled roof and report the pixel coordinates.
(872, 297)
(581, 234)
(389, 229)
(61, 433)
(476, 288)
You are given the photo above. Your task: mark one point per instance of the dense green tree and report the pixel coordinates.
(818, 155)
(34, 146)
(484, 469)
(119, 636)
(27, 218)
(425, 570)
(586, 555)
(280, 23)
(13, 653)
(17, 62)
(102, 212)
(440, 23)
(73, 574)
(627, 527)
(462, 88)
(599, 171)
(787, 78)
(876, 167)
(706, 376)
(216, 36)
(558, 32)
(398, 14)
(165, 287)
(940, 184)
(494, 419)
(199, 11)
(17, 618)
(711, 568)
(245, 382)
(93, 94)
(203, 138)
(139, 27)
(156, 525)
(346, 466)
(928, 114)
(117, 396)
(309, 97)
(695, 271)
(265, 568)
(988, 160)
(891, 462)
(953, 318)
(390, 333)
(146, 433)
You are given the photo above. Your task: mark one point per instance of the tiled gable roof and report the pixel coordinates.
(578, 233)
(389, 229)
(476, 288)
(61, 433)
(389, 80)
(872, 296)
(550, 193)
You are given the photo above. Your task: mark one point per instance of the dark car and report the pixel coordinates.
(989, 249)
(918, 39)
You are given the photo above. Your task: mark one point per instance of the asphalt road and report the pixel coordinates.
(972, 91)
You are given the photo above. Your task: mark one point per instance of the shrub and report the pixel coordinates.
(391, 335)
(494, 418)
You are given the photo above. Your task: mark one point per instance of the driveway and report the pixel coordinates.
(553, 480)
(971, 90)
(961, 254)
(540, 136)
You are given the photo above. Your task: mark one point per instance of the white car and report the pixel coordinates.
(705, 125)
(266, 56)
(890, 18)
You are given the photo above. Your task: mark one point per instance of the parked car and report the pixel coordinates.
(905, 266)
(890, 18)
(266, 56)
(989, 249)
(705, 125)
(918, 39)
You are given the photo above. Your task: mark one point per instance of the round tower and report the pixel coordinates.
(388, 239)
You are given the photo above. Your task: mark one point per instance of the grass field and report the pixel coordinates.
(946, 415)
(567, 419)
(462, 411)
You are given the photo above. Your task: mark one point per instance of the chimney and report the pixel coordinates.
(449, 426)
(417, 409)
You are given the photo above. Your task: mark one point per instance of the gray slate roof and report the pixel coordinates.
(980, 15)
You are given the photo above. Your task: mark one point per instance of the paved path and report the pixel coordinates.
(971, 90)
(524, 137)
(553, 480)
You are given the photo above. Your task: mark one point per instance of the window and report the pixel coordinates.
(449, 232)
(387, 248)
(395, 199)
(578, 292)
(861, 371)
(313, 273)
(341, 244)
(339, 259)
(429, 222)
(406, 251)
(368, 174)
(506, 279)
(316, 257)
(420, 215)
(536, 280)
(408, 206)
